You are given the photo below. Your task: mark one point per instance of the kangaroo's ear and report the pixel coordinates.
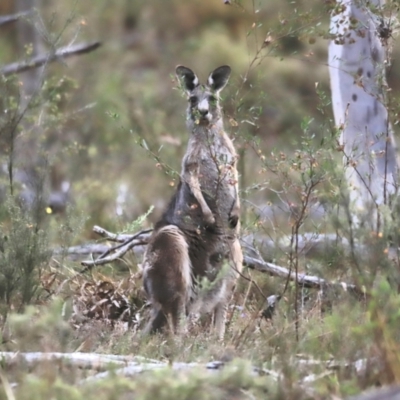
(219, 78)
(187, 78)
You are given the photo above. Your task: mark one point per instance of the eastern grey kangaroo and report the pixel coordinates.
(197, 235)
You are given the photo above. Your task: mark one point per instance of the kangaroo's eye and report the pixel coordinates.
(193, 101)
(212, 99)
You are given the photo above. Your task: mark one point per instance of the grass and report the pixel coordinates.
(363, 332)
(107, 125)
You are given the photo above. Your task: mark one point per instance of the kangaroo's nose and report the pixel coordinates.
(203, 112)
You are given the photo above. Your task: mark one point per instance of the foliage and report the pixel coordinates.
(111, 123)
(23, 257)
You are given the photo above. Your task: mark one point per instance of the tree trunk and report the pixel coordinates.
(25, 162)
(357, 62)
(27, 35)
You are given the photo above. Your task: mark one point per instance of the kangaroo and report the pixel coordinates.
(198, 233)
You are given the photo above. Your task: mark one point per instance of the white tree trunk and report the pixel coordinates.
(357, 61)
(28, 35)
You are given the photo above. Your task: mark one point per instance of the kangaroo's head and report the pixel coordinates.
(203, 106)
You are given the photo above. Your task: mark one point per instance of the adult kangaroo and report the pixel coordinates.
(193, 258)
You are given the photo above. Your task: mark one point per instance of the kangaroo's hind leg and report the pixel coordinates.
(167, 278)
(157, 322)
(235, 267)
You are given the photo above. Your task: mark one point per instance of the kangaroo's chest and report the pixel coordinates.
(212, 163)
(216, 166)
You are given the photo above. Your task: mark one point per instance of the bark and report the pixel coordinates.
(27, 35)
(357, 61)
(7, 19)
(42, 59)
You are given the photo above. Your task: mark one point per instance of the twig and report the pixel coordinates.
(38, 61)
(122, 238)
(128, 239)
(122, 250)
(251, 281)
(127, 243)
(252, 259)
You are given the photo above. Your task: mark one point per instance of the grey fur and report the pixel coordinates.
(198, 234)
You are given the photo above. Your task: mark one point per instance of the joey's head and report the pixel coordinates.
(203, 108)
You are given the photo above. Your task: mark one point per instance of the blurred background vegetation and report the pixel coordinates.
(115, 112)
(111, 123)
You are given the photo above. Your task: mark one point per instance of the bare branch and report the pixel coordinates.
(304, 280)
(6, 19)
(138, 368)
(127, 242)
(121, 251)
(93, 361)
(143, 235)
(131, 365)
(83, 250)
(383, 393)
(42, 59)
(252, 259)
(309, 244)
(135, 365)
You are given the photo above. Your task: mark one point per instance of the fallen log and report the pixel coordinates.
(102, 254)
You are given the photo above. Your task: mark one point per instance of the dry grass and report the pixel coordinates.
(319, 364)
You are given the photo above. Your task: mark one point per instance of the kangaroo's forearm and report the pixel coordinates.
(191, 178)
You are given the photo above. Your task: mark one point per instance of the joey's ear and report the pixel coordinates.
(187, 78)
(219, 78)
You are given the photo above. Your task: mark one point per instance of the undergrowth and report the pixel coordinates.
(318, 342)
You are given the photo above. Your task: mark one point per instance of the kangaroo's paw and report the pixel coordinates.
(209, 219)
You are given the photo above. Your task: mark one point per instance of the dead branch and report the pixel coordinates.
(309, 244)
(129, 366)
(214, 366)
(83, 250)
(93, 361)
(41, 59)
(383, 393)
(358, 366)
(6, 19)
(97, 361)
(127, 242)
(120, 237)
(304, 280)
(119, 252)
(252, 259)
